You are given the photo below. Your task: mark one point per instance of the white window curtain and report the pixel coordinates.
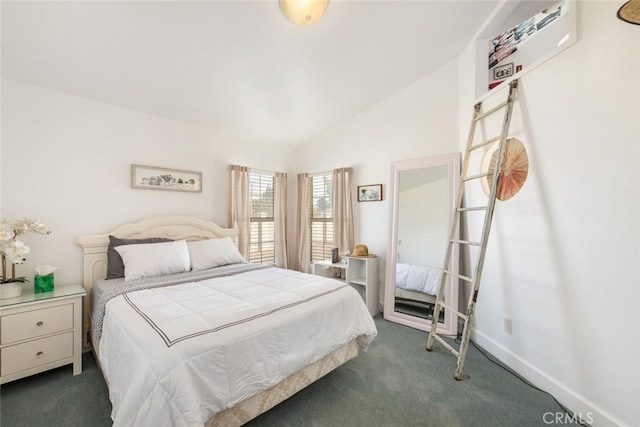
(342, 210)
(240, 206)
(280, 217)
(303, 259)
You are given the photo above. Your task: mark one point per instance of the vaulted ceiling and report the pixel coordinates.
(239, 67)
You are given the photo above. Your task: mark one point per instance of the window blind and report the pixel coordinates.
(262, 240)
(321, 216)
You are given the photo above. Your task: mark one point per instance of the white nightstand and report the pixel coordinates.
(361, 273)
(41, 331)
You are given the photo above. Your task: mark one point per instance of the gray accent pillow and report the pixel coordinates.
(115, 266)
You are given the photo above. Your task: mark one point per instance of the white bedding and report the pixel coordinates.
(180, 354)
(418, 278)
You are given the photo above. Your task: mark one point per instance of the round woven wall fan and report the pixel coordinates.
(630, 12)
(514, 170)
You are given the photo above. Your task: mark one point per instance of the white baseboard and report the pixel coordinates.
(589, 412)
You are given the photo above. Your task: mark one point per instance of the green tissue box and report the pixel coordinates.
(43, 283)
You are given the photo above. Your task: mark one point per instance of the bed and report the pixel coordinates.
(216, 343)
(417, 283)
(416, 289)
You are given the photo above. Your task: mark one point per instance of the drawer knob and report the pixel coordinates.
(39, 354)
(40, 323)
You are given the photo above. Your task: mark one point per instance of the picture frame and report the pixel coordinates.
(167, 179)
(370, 193)
(503, 71)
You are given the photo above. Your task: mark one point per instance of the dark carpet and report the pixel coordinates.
(395, 383)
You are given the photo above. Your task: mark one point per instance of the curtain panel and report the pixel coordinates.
(280, 218)
(343, 238)
(303, 257)
(240, 206)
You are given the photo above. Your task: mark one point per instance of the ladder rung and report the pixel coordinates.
(457, 313)
(493, 110)
(466, 242)
(459, 276)
(483, 144)
(481, 175)
(473, 208)
(446, 344)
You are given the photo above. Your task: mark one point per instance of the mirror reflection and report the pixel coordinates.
(422, 197)
(423, 226)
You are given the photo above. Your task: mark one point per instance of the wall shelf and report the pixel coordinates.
(519, 36)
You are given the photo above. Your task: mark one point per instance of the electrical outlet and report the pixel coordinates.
(507, 325)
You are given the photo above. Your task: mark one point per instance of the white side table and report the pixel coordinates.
(361, 273)
(41, 331)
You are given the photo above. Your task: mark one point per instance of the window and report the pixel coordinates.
(320, 216)
(262, 241)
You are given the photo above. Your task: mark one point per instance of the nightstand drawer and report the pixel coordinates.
(31, 354)
(35, 323)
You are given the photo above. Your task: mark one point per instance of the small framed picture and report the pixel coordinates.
(370, 193)
(503, 71)
(157, 178)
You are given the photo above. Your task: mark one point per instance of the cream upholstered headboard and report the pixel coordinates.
(94, 246)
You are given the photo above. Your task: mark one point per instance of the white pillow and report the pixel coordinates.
(154, 259)
(213, 253)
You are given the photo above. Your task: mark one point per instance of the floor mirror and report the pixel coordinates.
(422, 198)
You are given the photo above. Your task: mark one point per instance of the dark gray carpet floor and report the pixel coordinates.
(395, 383)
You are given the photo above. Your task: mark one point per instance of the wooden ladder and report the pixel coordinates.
(478, 115)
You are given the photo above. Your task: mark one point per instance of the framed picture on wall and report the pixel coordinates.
(370, 193)
(157, 178)
(503, 71)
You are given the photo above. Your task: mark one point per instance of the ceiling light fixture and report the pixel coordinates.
(630, 12)
(303, 12)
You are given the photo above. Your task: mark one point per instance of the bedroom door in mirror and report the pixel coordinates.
(423, 196)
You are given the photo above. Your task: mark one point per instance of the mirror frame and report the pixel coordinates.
(450, 325)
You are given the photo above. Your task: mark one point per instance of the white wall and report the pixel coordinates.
(562, 261)
(66, 160)
(418, 121)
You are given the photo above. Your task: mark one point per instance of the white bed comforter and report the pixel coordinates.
(178, 355)
(418, 278)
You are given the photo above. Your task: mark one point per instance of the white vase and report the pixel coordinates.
(10, 290)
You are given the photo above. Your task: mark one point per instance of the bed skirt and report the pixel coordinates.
(260, 403)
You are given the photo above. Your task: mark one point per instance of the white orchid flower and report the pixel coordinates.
(6, 230)
(12, 249)
(16, 252)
